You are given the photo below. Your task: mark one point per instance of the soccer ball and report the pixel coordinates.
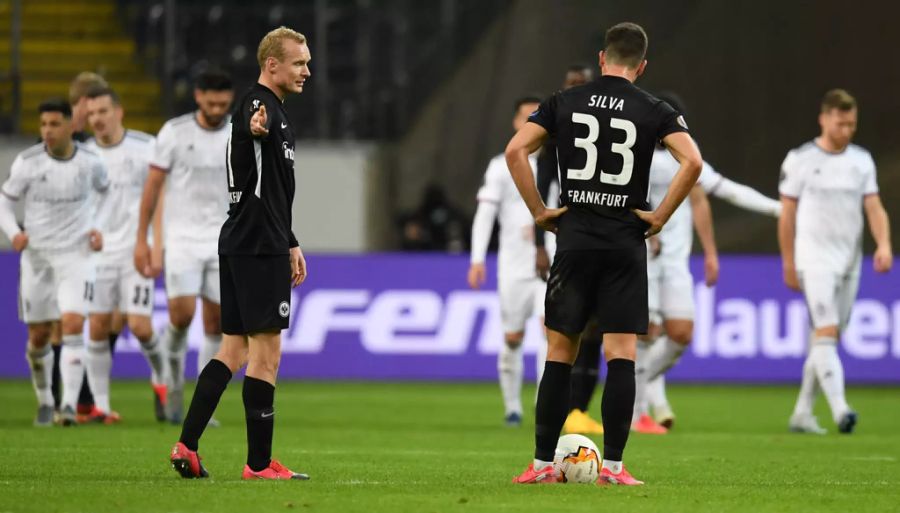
(577, 459)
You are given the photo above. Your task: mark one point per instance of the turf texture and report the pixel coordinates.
(442, 447)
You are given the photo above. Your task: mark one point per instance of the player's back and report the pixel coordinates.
(606, 132)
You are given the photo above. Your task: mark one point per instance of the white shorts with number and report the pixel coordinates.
(520, 298)
(829, 297)
(54, 283)
(118, 286)
(670, 289)
(192, 270)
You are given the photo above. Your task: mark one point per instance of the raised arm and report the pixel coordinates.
(524, 143)
(786, 232)
(745, 197)
(703, 224)
(880, 226)
(685, 151)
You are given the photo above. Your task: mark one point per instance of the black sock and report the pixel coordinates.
(55, 380)
(585, 373)
(552, 408)
(259, 400)
(617, 407)
(113, 337)
(85, 397)
(210, 385)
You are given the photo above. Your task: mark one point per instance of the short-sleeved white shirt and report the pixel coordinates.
(60, 196)
(829, 189)
(127, 164)
(516, 255)
(196, 200)
(677, 235)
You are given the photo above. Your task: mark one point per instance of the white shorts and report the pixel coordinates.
(51, 284)
(670, 289)
(519, 300)
(829, 297)
(192, 270)
(118, 286)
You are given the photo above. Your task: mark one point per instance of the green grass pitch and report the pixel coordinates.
(439, 447)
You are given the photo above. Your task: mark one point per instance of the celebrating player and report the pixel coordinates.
(260, 259)
(826, 184)
(63, 185)
(119, 287)
(606, 132)
(190, 152)
(521, 291)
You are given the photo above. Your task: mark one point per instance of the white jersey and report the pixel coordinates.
(127, 164)
(677, 234)
(829, 189)
(516, 255)
(196, 200)
(61, 196)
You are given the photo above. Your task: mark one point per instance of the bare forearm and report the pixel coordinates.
(158, 220)
(880, 226)
(786, 232)
(148, 208)
(680, 187)
(520, 169)
(703, 222)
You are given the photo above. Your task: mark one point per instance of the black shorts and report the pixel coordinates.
(608, 284)
(256, 293)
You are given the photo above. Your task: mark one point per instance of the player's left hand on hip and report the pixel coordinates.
(650, 218)
(96, 240)
(298, 267)
(548, 219)
(883, 260)
(711, 270)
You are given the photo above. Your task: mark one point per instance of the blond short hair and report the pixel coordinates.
(838, 99)
(271, 45)
(83, 83)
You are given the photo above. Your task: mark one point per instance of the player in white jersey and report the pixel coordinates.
(118, 286)
(826, 185)
(189, 158)
(63, 185)
(670, 284)
(521, 290)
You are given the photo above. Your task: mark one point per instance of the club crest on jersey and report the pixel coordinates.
(288, 152)
(255, 106)
(284, 309)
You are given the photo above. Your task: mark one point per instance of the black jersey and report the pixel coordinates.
(605, 134)
(260, 180)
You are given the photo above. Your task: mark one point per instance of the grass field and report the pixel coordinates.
(437, 447)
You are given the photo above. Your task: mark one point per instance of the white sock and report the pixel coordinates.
(153, 352)
(174, 342)
(41, 363)
(656, 394)
(99, 365)
(509, 370)
(806, 399)
(613, 466)
(71, 369)
(831, 374)
(662, 356)
(208, 350)
(642, 351)
(541, 464)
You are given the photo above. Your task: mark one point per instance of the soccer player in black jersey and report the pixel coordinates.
(605, 132)
(259, 260)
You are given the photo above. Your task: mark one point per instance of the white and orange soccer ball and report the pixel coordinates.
(577, 459)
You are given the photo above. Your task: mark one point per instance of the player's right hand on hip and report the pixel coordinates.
(20, 242)
(656, 222)
(477, 276)
(790, 278)
(142, 259)
(258, 122)
(548, 218)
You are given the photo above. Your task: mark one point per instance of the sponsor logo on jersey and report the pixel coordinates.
(682, 122)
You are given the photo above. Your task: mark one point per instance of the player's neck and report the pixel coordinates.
(62, 152)
(203, 122)
(828, 145)
(113, 138)
(268, 84)
(614, 70)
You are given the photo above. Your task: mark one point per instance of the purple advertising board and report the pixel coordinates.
(411, 317)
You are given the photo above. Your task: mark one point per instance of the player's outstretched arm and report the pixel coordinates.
(482, 226)
(786, 230)
(524, 143)
(152, 187)
(880, 226)
(703, 224)
(685, 151)
(746, 198)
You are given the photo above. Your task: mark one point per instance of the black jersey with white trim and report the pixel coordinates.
(260, 180)
(605, 134)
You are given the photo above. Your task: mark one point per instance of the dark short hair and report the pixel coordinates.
(838, 99)
(56, 105)
(626, 44)
(673, 100)
(522, 100)
(97, 92)
(213, 80)
(580, 67)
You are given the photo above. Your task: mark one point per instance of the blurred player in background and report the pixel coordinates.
(826, 185)
(63, 185)
(606, 132)
(118, 286)
(189, 153)
(521, 291)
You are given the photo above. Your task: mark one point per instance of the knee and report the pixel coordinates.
(98, 327)
(180, 320)
(39, 335)
(212, 326)
(682, 336)
(72, 324)
(233, 358)
(514, 340)
(827, 331)
(141, 330)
